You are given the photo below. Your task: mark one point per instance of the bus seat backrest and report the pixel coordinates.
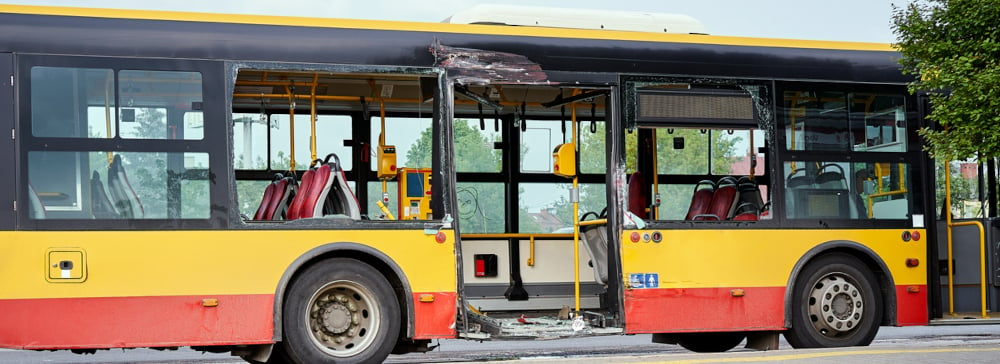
(295, 209)
(317, 197)
(265, 203)
(750, 193)
(637, 199)
(747, 211)
(724, 199)
(701, 199)
(35, 206)
(124, 198)
(100, 204)
(285, 189)
(341, 198)
(831, 180)
(794, 183)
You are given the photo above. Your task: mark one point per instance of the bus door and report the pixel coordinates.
(516, 207)
(7, 144)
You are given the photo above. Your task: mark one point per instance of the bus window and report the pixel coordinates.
(154, 103)
(844, 190)
(689, 159)
(250, 146)
(481, 207)
(841, 121)
(58, 94)
(475, 149)
(592, 147)
(126, 185)
(545, 207)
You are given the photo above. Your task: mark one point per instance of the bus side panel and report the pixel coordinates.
(735, 279)
(102, 322)
(703, 309)
(911, 305)
(436, 319)
(159, 288)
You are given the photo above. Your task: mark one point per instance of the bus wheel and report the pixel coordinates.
(340, 310)
(710, 342)
(835, 303)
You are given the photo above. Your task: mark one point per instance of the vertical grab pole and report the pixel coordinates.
(291, 127)
(947, 219)
(312, 117)
(576, 213)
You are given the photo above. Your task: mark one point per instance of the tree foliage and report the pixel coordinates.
(953, 47)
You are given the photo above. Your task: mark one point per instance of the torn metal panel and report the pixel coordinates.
(478, 66)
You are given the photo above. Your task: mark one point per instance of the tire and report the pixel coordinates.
(835, 303)
(710, 342)
(278, 356)
(340, 310)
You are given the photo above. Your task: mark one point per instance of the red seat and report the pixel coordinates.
(265, 210)
(324, 191)
(700, 200)
(297, 208)
(724, 200)
(637, 200)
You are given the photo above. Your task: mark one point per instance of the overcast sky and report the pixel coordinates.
(849, 20)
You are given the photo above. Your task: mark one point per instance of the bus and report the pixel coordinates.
(328, 190)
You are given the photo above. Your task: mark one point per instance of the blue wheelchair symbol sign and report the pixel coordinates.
(644, 280)
(637, 280)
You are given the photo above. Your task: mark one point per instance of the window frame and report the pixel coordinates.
(214, 142)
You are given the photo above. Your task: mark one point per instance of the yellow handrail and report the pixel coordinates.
(982, 248)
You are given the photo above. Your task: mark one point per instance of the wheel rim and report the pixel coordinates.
(343, 318)
(836, 305)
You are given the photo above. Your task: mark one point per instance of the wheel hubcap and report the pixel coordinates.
(343, 318)
(836, 305)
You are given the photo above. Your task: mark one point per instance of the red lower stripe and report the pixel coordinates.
(435, 320)
(112, 322)
(703, 309)
(911, 307)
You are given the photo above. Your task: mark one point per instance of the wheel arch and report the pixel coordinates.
(862, 253)
(364, 253)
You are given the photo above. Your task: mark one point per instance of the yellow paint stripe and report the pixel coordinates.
(757, 258)
(164, 263)
(814, 355)
(441, 27)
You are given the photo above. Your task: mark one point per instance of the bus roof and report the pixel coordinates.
(527, 31)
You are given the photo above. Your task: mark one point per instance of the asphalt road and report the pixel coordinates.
(933, 344)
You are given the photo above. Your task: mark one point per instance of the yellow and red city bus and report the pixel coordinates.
(307, 190)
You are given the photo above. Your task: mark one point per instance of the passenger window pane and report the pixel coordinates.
(128, 185)
(474, 148)
(72, 102)
(884, 120)
(816, 121)
(592, 147)
(733, 154)
(538, 141)
(249, 194)
(154, 104)
(331, 131)
(545, 207)
(847, 190)
(375, 194)
(682, 151)
(250, 141)
(481, 207)
(412, 138)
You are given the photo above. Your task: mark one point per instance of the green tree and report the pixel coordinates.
(953, 49)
